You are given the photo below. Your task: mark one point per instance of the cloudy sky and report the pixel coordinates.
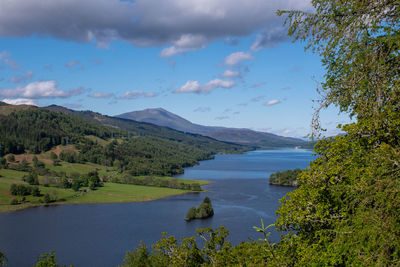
(213, 62)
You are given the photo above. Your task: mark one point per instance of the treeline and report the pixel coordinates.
(137, 149)
(37, 130)
(285, 178)
(156, 181)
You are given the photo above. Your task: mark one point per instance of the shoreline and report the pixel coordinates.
(28, 205)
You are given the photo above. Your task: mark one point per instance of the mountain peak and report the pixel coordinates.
(162, 117)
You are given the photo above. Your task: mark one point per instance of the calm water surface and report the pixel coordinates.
(99, 235)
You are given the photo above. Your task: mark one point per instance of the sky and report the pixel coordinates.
(213, 62)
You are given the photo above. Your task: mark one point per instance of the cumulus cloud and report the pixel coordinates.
(196, 87)
(272, 102)
(101, 95)
(21, 78)
(7, 59)
(40, 89)
(136, 94)
(202, 109)
(20, 101)
(184, 25)
(231, 74)
(235, 58)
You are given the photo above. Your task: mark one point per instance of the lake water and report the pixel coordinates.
(99, 235)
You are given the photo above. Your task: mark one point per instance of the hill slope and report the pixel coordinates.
(163, 117)
(139, 148)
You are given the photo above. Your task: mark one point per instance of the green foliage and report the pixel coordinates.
(157, 181)
(205, 210)
(216, 251)
(48, 260)
(11, 158)
(191, 214)
(285, 178)
(53, 156)
(31, 178)
(47, 198)
(141, 148)
(3, 259)
(3, 163)
(345, 211)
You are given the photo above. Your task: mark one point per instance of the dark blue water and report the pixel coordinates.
(99, 235)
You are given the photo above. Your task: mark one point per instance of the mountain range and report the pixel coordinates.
(162, 117)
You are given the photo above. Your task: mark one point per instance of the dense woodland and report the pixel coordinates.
(135, 149)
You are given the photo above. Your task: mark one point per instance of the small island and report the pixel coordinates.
(285, 178)
(205, 210)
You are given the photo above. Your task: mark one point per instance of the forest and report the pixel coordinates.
(134, 149)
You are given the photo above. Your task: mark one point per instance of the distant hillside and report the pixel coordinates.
(149, 129)
(163, 117)
(135, 147)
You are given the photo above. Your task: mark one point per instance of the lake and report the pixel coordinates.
(100, 234)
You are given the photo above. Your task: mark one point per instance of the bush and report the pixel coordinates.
(11, 158)
(46, 198)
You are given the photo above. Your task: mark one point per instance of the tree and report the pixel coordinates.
(3, 259)
(32, 179)
(46, 198)
(345, 211)
(11, 158)
(48, 260)
(191, 214)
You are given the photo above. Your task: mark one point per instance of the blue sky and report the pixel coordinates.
(217, 62)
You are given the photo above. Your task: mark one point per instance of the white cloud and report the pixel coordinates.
(136, 94)
(231, 74)
(101, 95)
(196, 87)
(22, 78)
(41, 89)
(185, 25)
(185, 43)
(235, 58)
(272, 102)
(20, 101)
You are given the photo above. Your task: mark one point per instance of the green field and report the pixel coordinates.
(108, 193)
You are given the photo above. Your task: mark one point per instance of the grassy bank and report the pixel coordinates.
(109, 192)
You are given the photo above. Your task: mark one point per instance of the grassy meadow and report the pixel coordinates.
(109, 192)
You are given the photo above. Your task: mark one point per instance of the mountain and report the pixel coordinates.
(148, 129)
(135, 147)
(249, 137)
